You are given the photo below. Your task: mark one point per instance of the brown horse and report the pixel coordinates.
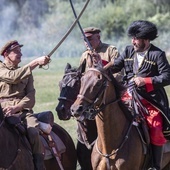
(87, 131)
(15, 152)
(119, 145)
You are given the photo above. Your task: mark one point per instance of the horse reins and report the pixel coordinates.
(96, 111)
(121, 145)
(84, 136)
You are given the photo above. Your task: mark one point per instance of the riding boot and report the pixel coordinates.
(157, 153)
(39, 161)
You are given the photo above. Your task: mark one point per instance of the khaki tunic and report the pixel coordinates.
(107, 52)
(16, 88)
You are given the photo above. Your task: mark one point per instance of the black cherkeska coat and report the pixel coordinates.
(156, 66)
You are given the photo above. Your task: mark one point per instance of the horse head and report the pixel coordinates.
(69, 88)
(91, 97)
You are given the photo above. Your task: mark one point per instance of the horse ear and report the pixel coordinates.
(68, 66)
(82, 67)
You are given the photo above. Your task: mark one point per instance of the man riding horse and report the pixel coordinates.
(17, 94)
(147, 67)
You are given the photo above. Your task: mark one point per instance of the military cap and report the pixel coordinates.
(143, 29)
(10, 45)
(89, 31)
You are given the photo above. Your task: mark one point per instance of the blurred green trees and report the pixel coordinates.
(44, 22)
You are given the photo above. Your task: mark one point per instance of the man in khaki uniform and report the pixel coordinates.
(17, 93)
(105, 51)
(101, 53)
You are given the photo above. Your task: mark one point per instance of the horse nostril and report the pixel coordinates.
(76, 111)
(60, 108)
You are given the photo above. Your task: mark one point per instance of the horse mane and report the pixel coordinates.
(119, 87)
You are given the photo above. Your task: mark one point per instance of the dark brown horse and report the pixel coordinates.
(16, 155)
(87, 131)
(119, 145)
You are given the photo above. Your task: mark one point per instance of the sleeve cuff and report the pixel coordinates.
(148, 83)
(104, 62)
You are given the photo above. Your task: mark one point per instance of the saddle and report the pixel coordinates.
(136, 109)
(53, 145)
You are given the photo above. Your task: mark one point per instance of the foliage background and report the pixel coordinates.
(40, 24)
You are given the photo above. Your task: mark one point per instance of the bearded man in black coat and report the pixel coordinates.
(147, 67)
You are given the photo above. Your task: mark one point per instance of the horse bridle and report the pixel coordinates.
(80, 122)
(76, 75)
(91, 109)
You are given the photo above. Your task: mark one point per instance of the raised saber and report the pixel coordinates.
(69, 30)
(78, 22)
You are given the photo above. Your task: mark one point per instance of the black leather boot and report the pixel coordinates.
(39, 161)
(157, 152)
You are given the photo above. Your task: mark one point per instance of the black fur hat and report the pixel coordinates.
(143, 29)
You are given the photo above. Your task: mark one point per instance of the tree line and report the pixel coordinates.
(46, 21)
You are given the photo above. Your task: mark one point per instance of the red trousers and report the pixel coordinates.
(154, 122)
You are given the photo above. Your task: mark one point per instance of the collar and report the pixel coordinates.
(10, 66)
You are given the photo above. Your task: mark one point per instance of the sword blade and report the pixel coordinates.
(78, 22)
(69, 30)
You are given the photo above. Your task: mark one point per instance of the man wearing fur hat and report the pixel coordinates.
(17, 93)
(147, 67)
